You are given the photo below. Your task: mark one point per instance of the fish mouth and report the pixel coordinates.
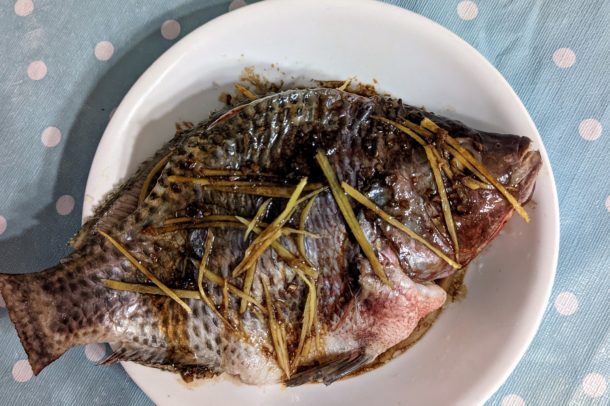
(524, 176)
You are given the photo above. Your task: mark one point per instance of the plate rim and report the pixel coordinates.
(163, 64)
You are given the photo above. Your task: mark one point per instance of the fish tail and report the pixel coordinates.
(44, 307)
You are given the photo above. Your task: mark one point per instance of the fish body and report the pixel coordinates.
(163, 219)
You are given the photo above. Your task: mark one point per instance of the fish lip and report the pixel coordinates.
(525, 146)
(530, 162)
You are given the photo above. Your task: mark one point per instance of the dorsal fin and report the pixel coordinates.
(122, 201)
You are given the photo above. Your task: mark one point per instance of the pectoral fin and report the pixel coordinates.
(331, 370)
(137, 353)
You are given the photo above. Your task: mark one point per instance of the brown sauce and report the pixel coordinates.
(193, 373)
(261, 86)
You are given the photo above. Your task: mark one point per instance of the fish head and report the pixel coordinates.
(408, 192)
(510, 158)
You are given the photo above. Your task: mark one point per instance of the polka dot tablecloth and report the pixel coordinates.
(65, 66)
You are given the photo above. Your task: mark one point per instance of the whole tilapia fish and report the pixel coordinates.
(291, 239)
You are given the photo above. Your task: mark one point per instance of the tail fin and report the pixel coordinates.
(44, 307)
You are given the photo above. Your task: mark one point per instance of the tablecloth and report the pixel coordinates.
(65, 66)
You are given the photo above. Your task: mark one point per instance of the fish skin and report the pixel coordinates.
(68, 305)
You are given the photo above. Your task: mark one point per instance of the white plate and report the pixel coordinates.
(477, 342)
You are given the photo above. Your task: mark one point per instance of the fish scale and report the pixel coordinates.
(358, 316)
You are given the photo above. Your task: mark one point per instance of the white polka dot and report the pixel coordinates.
(50, 137)
(170, 29)
(566, 303)
(104, 50)
(22, 371)
(95, 352)
(594, 385)
(607, 206)
(3, 224)
(235, 4)
(564, 57)
(37, 70)
(512, 400)
(24, 7)
(2, 302)
(467, 10)
(590, 129)
(65, 205)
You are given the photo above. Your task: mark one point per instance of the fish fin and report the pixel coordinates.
(154, 357)
(141, 354)
(28, 310)
(122, 201)
(331, 370)
(56, 309)
(117, 205)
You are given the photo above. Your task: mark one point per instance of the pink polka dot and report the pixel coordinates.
(235, 4)
(594, 385)
(170, 29)
(590, 129)
(2, 224)
(512, 400)
(564, 57)
(24, 7)
(104, 50)
(65, 205)
(95, 352)
(37, 70)
(467, 10)
(566, 303)
(51, 136)
(22, 371)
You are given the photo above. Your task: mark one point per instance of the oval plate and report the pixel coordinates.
(477, 342)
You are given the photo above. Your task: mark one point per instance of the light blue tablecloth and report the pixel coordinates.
(65, 65)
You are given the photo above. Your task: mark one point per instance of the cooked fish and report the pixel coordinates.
(293, 238)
